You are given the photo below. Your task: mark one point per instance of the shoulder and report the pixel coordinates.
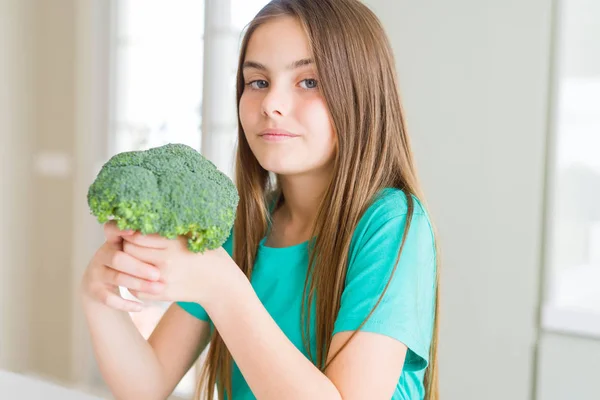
(390, 204)
(391, 275)
(384, 222)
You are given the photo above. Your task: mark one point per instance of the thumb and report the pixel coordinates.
(113, 234)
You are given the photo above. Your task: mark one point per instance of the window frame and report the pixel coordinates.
(554, 317)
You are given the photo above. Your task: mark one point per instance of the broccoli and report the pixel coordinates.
(169, 190)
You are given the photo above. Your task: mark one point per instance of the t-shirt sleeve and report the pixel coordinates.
(196, 309)
(406, 310)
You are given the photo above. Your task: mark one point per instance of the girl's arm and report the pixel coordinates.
(369, 367)
(135, 368)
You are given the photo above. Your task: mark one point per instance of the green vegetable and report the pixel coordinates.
(169, 190)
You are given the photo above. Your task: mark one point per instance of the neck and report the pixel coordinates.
(302, 194)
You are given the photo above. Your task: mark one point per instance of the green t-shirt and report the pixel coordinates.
(406, 311)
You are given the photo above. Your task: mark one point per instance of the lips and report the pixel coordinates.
(277, 133)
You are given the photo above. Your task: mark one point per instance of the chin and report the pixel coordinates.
(279, 166)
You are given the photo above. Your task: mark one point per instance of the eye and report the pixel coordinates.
(309, 83)
(258, 84)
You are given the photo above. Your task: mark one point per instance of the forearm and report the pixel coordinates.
(273, 367)
(126, 360)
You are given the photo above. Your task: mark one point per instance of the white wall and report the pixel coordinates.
(36, 118)
(16, 238)
(54, 133)
(474, 79)
(568, 365)
(568, 368)
(580, 19)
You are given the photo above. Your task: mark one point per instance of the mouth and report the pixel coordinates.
(276, 135)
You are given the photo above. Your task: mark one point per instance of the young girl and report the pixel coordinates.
(327, 286)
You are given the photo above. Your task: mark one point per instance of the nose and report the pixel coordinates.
(276, 103)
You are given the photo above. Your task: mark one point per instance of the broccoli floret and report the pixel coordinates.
(169, 190)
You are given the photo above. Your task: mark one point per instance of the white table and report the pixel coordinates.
(20, 387)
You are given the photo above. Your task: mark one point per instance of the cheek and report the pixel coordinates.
(248, 111)
(318, 120)
(243, 111)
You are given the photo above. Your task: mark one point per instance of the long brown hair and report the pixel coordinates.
(358, 81)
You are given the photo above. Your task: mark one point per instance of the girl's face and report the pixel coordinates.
(282, 111)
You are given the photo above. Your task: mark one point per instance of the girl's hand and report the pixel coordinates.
(187, 276)
(111, 267)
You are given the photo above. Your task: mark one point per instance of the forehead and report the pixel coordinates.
(278, 42)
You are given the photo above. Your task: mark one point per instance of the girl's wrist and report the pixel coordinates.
(227, 283)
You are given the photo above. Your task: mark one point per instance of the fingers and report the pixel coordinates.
(148, 255)
(145, 296)
(113, 234)
(112, 268)
(125, 263)
(118, 303)
(152, 241)
(114, 277)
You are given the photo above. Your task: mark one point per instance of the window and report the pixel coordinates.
(573, 237)
(158, 94)
(158, 53)
(242, 12)
(158, 76)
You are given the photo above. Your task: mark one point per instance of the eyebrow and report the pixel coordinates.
(294, 65)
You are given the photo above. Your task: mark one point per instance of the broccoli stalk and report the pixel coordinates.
(169, 190)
